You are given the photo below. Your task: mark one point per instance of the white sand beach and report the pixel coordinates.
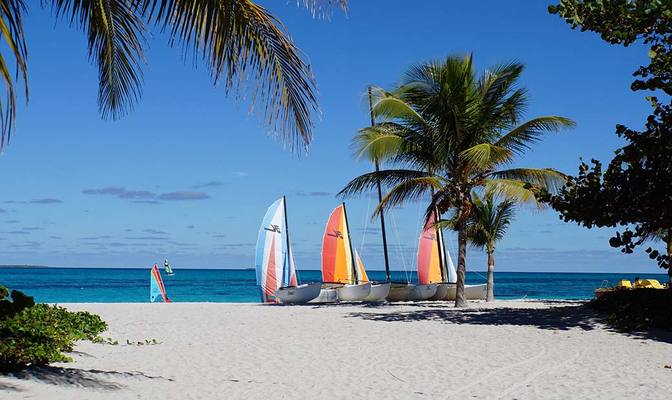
(507, 350)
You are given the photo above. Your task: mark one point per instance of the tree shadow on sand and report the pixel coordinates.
(9, 388)
(90, 378)
(558, 317)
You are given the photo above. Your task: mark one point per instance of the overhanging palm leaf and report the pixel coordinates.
(115, 37)
(11, 26)
(237, 39)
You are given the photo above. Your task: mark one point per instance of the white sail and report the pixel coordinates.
(452, 274)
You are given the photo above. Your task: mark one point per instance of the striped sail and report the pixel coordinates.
(157, 292)
(270, 257)
(429, 264)
(362, 277)
(336, 255)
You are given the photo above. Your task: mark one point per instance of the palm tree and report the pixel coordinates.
(448, 131)
(487, 225)
(238, 40)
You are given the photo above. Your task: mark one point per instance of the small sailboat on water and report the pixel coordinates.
(276, 271)
(340, 268)
(168, 268)
(157, 292)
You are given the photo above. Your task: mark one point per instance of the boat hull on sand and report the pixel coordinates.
(327, 294)
(441, 291)
(423, 292)
(400, 292)
(356, 292)
(298, 294)
(379, 292)
(471, 292)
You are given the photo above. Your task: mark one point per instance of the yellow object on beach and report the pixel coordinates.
(623, 284)
(648, 284)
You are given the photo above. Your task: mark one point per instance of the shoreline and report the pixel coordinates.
(505, 349)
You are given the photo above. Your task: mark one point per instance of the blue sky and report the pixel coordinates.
(188, 175)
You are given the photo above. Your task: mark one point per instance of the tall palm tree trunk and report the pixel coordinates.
(491, 277)
(461, 266)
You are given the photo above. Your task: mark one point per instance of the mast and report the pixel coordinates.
(439, 244)
(352, 253)
(442, 251)
(380, 200)
(289, 271)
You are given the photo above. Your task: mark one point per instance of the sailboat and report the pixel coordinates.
(339, 267)
(379, 290)
(168, 268)
(276, 271)
(157, 292)
(431, 261)
(471, 292)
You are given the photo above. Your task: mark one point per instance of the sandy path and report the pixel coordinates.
(509, 350)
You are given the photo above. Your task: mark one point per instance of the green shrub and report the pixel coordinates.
(38, 334)
(636, 310)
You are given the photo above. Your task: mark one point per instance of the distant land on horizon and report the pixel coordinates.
(17, 266)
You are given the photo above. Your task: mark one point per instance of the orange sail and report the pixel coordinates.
(429, 264)
(336, 255)
(362, 277)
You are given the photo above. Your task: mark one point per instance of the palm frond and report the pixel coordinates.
(513, 190)
(485, 156)
(521, 137)
(407, 190)
(324, 8)
(489, 220)
(546, 178)
(115, 42)
(388, 178)
(378, 143)
(393, 108)
(242, 42)
(11, 27)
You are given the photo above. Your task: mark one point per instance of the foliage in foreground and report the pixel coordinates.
(636, 310)
(38, 334)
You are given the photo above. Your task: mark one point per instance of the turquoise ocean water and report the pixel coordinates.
(108, 285)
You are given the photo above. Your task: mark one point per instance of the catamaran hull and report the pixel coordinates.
(354, 292)
(471, 292)
(298, 294)
(326, 295)
(423, 292)
(400, 292)
(441, 291)
(379, 292)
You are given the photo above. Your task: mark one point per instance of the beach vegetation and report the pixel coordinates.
(244, 47)
(634, 192)
(446, 131)
(39, 334)
(636, 310)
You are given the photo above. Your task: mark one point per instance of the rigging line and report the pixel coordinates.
(366, 226)
(399, 250)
